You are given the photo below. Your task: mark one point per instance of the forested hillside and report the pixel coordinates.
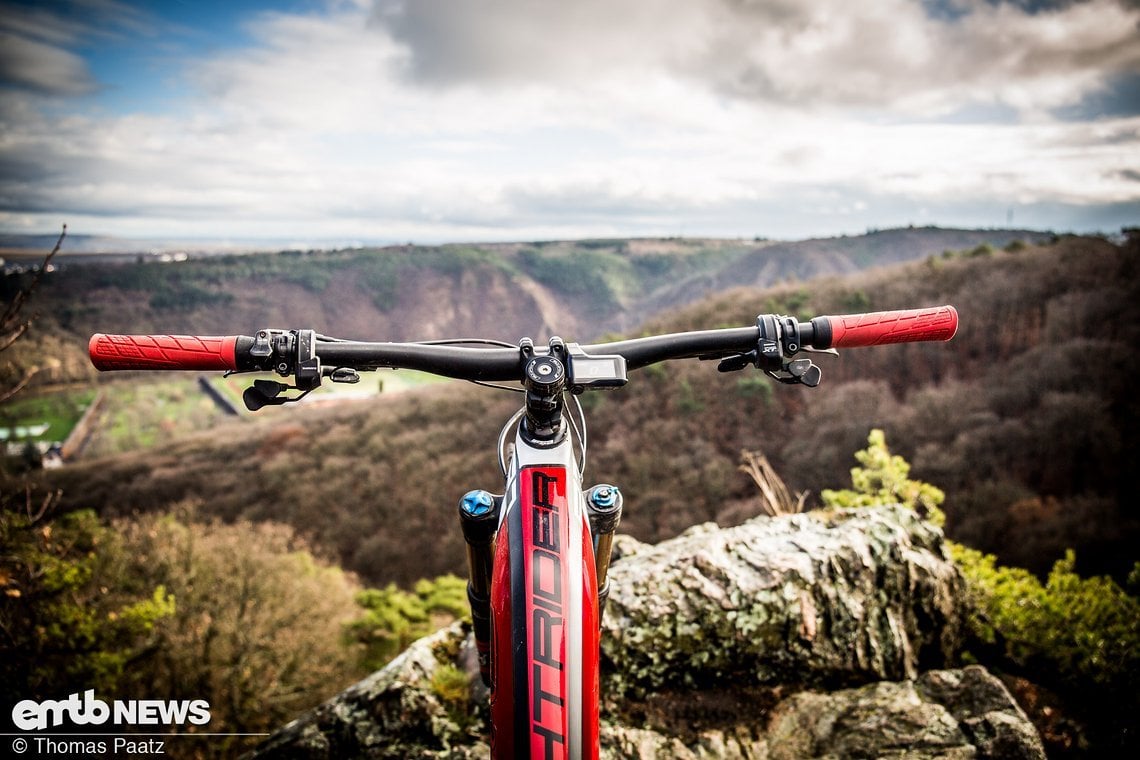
(1026, 419)
(579, 290)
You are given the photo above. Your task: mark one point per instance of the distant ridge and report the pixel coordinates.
(577, 289)
(771, 263)
(77, 243)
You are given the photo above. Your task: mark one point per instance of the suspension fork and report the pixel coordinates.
(603, 507)
(479, 517)
(479, 513)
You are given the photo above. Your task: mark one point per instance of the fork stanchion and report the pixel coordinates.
(603, 506)
(479, 518)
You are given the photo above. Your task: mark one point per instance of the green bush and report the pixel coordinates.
(69, 615)
(453, 688)
(857, 301)
(883, 478)
(394, 618)
(257, 628)
(689, 400)
(794, 302)
(1087, 629)
(755, 385)
(1079, 636)
(160, 608)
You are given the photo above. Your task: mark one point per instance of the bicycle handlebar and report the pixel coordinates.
(241, 353)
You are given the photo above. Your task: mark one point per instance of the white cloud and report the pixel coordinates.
(885, 54)
(35, 42)
(42, 67)
(561, 119)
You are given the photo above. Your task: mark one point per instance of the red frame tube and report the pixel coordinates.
(535, 707)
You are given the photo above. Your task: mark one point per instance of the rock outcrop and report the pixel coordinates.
(824, 598)
(826, 634)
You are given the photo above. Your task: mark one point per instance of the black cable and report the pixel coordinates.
(467, 341)
(497, 387)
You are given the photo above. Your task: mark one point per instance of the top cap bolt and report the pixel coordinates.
(476, 503)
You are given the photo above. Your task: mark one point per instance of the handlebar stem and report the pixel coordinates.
(544, 378)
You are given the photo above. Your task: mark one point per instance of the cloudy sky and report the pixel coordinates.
(452, 120)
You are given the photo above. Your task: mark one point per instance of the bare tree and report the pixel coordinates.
(14, 324)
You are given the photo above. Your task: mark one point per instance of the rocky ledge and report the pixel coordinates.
(825, 634)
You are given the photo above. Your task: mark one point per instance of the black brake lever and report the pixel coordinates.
(799, 371)
(737, 363)
(268, 393)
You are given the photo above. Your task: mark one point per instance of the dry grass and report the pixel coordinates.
(775, 498)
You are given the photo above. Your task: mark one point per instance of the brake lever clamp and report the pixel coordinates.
(288, 353)
(778, 342)
(778, 337)
(262, 347)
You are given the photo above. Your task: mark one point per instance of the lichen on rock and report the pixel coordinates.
(942, 714)
(835, 597)
(825, 634)
(397, 712)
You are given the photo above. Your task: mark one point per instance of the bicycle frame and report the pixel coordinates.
(544, 610)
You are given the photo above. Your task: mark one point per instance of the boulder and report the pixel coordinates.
(964, 713)
(402, 710)
(827, 634)
(829, 597)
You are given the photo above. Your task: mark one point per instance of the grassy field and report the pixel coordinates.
(143, 414)
(371, 384)
(139, 415)
(44, 417)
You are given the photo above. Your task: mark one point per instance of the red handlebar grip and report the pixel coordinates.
(186, 352)
(905, 326)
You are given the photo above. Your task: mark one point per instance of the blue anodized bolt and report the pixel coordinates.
(476, 503)
(603, 497)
